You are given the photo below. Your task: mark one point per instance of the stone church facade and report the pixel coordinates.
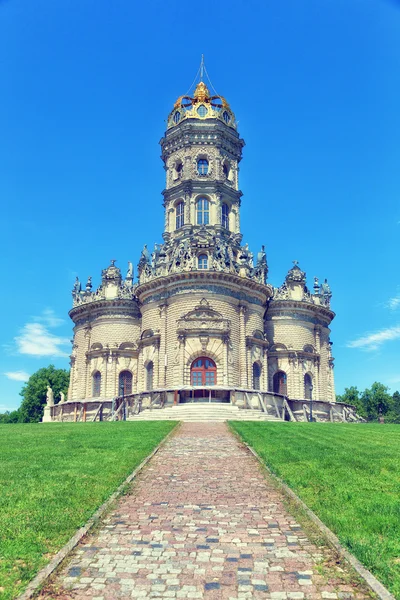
(202, 320)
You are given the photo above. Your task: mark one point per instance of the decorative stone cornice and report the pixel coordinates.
(247, 289)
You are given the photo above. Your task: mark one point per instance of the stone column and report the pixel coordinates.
(140, 371)
(292, 388)
(71, 387)
(237, 217)
(88, 379)
(226, 359)
(265, 370)
(242, 346)
(163, 346)
(218, 220)
(156, 363)
(114, 384)
(316, 384)
(166, 217)
(187, 207)
(182, 343)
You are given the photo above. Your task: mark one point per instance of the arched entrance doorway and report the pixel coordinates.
(203, 372)
(203, 382)
(280, 383)
(125, 383)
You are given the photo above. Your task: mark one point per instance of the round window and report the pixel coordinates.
(202, 111)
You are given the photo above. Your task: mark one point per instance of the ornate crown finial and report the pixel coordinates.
(202, 93)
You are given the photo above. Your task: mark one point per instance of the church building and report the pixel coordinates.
(202, 323)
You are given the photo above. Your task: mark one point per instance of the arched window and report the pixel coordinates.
(308, 386)
(225, 216)
(226, 170)
(256, 376)
(226, 117)
(177, 171)
(96, 384)
(203, 211)
(280, 383)
(202, 166)
(180, 219)
(149, 376)
(202, 261)
(125, 383)
(177, 117)
(203, 372)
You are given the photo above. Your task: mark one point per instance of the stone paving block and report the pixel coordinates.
(202, 521)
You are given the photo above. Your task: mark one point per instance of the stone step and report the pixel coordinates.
(203, 413)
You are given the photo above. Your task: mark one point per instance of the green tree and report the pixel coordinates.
(377, 401)
(10, 417)
(396, 408)
(351, 395)
(34, 392)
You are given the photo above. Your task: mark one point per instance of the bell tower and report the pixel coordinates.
(201, 150)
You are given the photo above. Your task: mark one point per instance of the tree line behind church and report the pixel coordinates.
(34, 395)
(373, 403)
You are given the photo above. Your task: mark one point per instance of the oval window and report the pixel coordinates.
(202, 111)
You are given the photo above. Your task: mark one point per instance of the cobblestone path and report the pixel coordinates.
(202, 522)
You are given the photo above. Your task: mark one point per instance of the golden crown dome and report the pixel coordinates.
(201, 106)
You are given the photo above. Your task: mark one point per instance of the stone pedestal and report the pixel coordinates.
(47, 415)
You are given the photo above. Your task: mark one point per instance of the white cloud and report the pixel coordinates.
(49, 318)
(35, 339)
(372, 341)
(394, 302)
(17, 375)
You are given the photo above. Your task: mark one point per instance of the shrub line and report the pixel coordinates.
(45, 573)
(372, 582)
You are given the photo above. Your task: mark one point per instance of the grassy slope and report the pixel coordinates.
(349, 475)
(52, 478)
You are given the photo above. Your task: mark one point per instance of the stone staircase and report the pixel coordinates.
(206, 412)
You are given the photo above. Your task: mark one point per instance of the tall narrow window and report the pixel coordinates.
(308, 387)
(125, 383)
(280, 383)
(96, 384)
(203, 211)
(203, 261)
(225, 216)
(149, 376)
(202, 166)
(180, 219)
(256, 376)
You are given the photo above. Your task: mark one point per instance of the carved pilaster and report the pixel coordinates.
(242, 348)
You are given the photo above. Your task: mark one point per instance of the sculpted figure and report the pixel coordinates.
(49, 396)
(77, 286)
(62, 397)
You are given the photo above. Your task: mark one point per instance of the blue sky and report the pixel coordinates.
(85, 88)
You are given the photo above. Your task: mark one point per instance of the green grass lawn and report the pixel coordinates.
(349, 475)
(52, 479)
